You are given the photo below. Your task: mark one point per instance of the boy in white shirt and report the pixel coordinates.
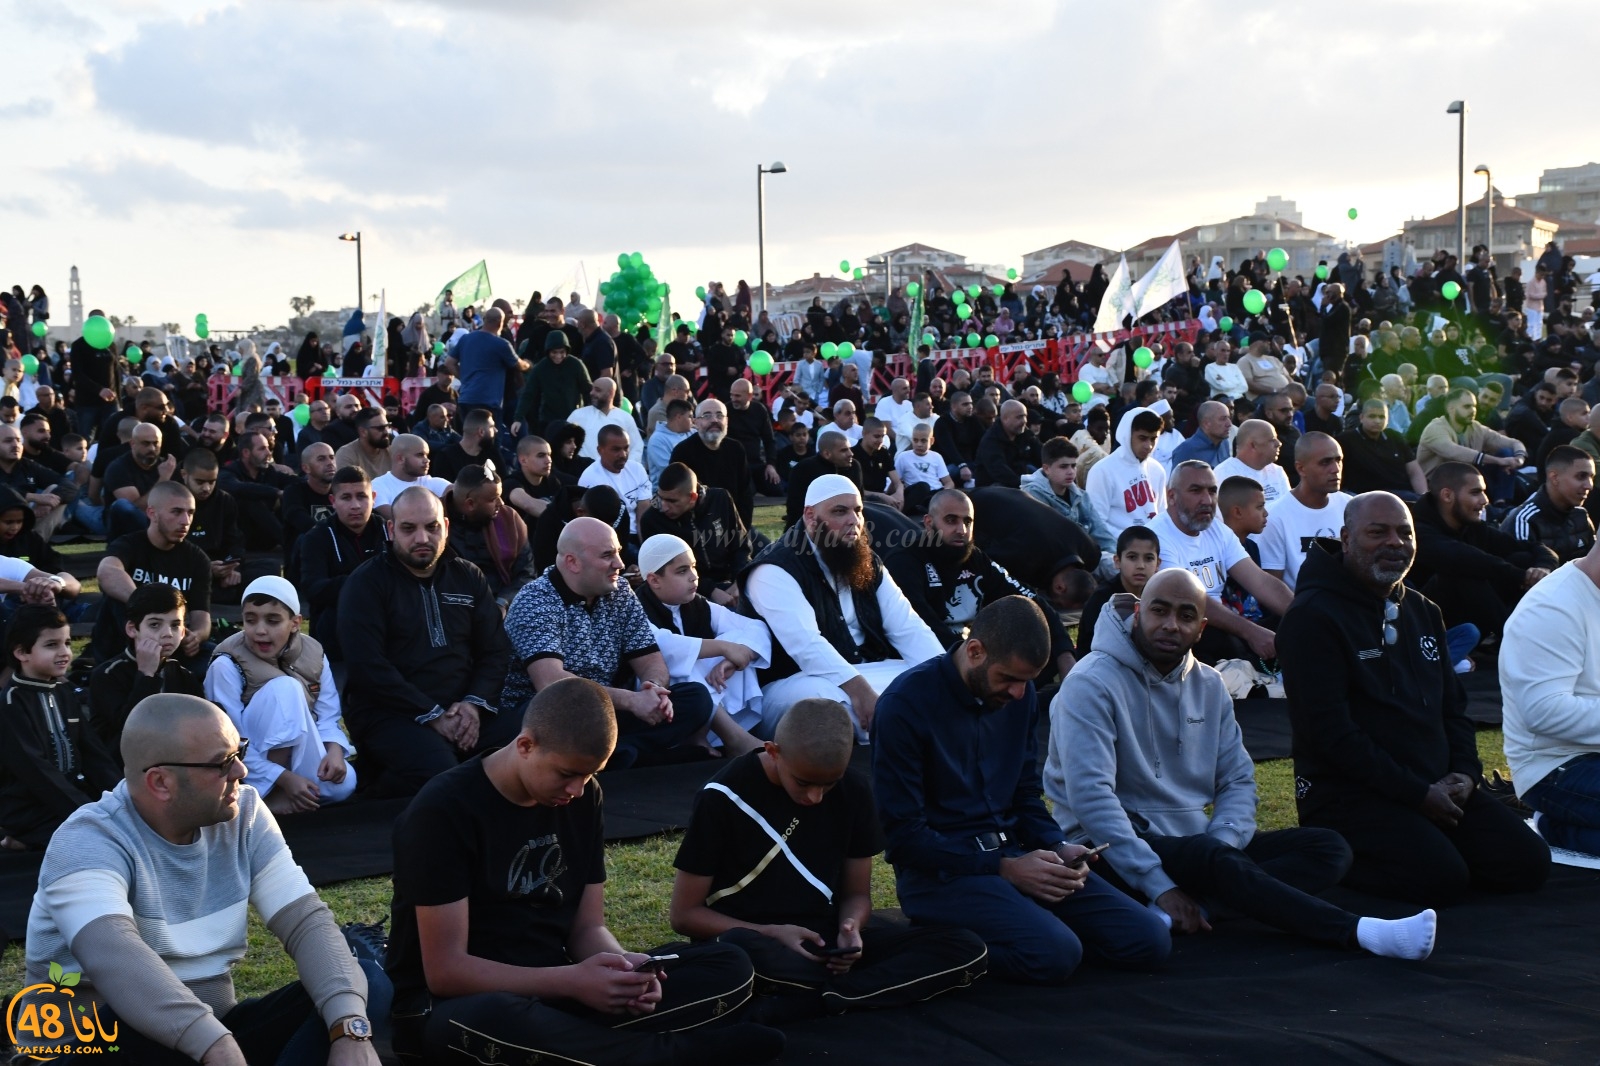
(704, 641)
(922, 470)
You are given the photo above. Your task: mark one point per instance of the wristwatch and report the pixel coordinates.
(351, 1028)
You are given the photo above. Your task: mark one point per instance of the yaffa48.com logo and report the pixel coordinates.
(44, 1021)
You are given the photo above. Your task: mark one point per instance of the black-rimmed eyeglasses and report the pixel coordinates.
(221, 768)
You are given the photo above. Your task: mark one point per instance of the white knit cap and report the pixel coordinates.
(828, 486)
(1160, 407)
(276, 587)
(659, 550)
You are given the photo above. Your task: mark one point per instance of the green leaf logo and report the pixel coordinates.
(55, 973)
(67, 980)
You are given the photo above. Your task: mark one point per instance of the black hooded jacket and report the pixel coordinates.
(1368, 716)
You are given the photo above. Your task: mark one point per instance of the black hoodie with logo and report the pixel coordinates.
(1369, 716)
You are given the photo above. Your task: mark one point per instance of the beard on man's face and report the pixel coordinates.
(851, 561)
(952, 555)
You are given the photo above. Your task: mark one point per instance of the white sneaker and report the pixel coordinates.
(1464, 666)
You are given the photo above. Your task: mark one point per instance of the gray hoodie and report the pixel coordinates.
(1133, 751)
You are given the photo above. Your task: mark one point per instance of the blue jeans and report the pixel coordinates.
(124, 516)
(1568, 802)
(87, 515)
(1033, 942)
(1501, 483)
(1461, 640)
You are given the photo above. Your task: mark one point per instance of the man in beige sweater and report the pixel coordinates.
(1459, 437)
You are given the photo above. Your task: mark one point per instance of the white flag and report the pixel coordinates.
(1163, 283)
(380, 335)
(1117, 302)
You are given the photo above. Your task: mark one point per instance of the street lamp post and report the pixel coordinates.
(1488, 207)
(1459, 107)
(360, 288)
(761, 225)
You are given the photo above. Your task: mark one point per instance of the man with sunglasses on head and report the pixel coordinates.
(156, 878)
(1383, 750)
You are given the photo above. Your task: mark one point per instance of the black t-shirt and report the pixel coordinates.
(110, 451)
(522, 871)
(876, 466)
(185, 567)
(725, 843)
(125, 473)
(52, 460)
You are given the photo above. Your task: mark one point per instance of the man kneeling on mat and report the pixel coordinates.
(1143, 744)
(779, 893)
(276, 686)
(500, 950)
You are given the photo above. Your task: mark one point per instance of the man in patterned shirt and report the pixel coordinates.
(577, 620)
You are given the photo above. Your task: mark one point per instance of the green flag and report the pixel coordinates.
(916, 328)
(470, 288)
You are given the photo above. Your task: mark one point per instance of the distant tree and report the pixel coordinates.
(302, 305)
(518, 304)
(172, 327)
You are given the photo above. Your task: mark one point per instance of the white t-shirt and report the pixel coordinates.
(893, 413)
(1273, 481)
(632, 484)
(387, 487)
(1208, 557)
(1292, 526)
(1095, 375)
(917, 469)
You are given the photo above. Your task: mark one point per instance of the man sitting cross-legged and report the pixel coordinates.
(798, 899)
(973, 847)
(1383, 750)
(578, 620)
(1146, 757)
(146, 892)
(500, 942)
(276, 684)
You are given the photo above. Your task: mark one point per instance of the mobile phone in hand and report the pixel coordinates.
(655, 963)
(1083, 860)
(829, 952)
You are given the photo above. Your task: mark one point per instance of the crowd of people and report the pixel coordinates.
(551, 564)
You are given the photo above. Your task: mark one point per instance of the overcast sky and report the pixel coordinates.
(196, 156)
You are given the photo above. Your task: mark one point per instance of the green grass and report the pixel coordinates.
(640, 874)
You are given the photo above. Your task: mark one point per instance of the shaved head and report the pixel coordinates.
(168, 726)
(405, 444)
(1255, 429)
(581, 533)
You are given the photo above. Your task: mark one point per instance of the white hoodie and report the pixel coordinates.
(1124, 491)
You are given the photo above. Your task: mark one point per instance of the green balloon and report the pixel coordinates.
(846, 349)
(858, 273)
(740, 337)
(300, 414)
(973, 340)
(1225, 324)
(30, 364)
(97, 332)
(1143, 357)
(40, 329)
(912, 288)
(330, 373)
(202, 332)
(761, 364)
(700, 293)
(1450, 290)
(1011, 274)
(828, 350)
(998, 290)
(438, 347)
(199, 319)
(238, 369)
(929, 339)
(622, 260)
(627, 405)
(134, 354)
(1254, 301)
(1321, 271)
(1081, 391)
(1277, 259)
(605, 288)
(844, 266)
(974, 290)
(636, 260)
(959, 297)
(991, 341)
(964, 312)
(1351, 213)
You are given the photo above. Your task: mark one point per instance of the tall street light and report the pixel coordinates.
(761, 224)
(1459, 107)
(1488, 206)
(360, 288)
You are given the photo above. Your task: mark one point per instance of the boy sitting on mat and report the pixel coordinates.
(145, 667)
(778, 860)
(274, 682)
(704, 641)
(501, 951)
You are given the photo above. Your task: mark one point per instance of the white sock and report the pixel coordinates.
(1159, 913)
(1400, 938)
